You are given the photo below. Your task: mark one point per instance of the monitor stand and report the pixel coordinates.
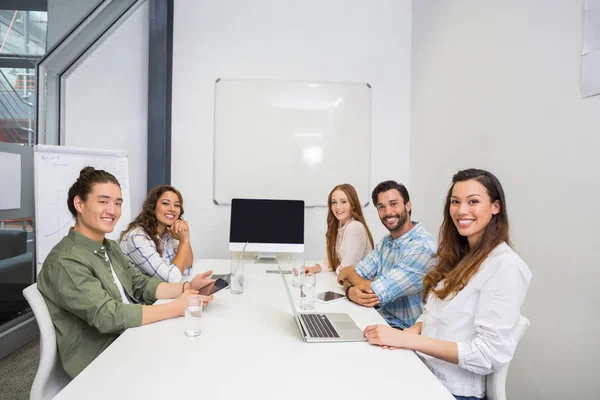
(266, 258)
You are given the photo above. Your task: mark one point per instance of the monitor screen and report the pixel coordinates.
(267, 225)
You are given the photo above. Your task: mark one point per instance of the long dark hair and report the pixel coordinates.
(333, 223)
(146, 219)
(88, 177)
(457, 262)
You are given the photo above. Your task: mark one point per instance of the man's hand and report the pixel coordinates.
(206, 300)
(179, 302)
(363, 295)
(343, 274)
(202, 283)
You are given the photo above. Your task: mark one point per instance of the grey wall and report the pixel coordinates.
(496, 85)
(63, 15)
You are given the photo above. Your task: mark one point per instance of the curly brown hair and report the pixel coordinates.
(146, 219)
(457, 262)
(333, 224)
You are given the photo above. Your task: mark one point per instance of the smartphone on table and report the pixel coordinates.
(329, 297)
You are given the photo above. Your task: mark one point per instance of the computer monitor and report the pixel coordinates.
(268, 226)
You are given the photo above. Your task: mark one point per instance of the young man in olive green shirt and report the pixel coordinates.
(92, 292)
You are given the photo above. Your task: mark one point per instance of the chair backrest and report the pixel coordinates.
(50, 378)
(496, 381)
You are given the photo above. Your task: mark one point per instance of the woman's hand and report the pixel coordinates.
(180, 230)
(416, 328)
(385, 336)
(312, 270)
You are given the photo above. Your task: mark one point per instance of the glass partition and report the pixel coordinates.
(22, 44)
(17, 268)
(65, 54)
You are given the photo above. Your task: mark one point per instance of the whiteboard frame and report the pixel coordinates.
(369, 139)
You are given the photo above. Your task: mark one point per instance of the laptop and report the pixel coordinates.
(323, 327)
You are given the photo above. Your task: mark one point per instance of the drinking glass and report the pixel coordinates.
(237, 277)
(307, 292)
(193, 315)
(297, 272)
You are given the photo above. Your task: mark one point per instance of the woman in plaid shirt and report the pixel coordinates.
(157, 242)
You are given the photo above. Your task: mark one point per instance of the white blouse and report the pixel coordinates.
(480, 319)
(351, 246)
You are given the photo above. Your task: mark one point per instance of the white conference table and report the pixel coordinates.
(250, 348)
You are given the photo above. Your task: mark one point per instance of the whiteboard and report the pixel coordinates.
(56, 169)
(290, 140)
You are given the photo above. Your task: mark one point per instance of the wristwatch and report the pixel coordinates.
(347, 289)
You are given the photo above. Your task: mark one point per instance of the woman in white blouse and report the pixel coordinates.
(157, 242)
(473, 296)
(348, 237)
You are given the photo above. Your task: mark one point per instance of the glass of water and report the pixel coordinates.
(193, 315)
(297, 272)
(237, 277)
(307, 292)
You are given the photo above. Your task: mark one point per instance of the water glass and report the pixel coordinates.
(237, 277)
(297, 273)
(193, 315)
(307, 292)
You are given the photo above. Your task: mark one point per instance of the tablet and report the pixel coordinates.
(329, 297)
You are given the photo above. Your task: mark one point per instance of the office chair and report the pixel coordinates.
(496, 381)
(50, 377)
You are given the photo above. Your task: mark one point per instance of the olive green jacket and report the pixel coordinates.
(84, 302)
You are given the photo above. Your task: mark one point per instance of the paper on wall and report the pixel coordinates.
(10, 181)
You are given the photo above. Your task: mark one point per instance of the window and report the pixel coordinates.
(22, 43)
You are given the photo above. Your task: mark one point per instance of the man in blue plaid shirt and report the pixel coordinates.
(390, 278)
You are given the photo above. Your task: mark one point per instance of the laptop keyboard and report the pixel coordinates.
(318, 326)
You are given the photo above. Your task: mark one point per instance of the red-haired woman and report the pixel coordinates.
(348, 237)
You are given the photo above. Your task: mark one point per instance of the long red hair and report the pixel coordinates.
(333, 224)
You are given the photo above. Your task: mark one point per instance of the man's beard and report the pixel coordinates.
(402, 218)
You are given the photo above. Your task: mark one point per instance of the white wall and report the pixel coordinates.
(107, 99)
(496, 85)
(344, 41)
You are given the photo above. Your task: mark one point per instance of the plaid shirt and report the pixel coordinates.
(142, 253)
(396, 268)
